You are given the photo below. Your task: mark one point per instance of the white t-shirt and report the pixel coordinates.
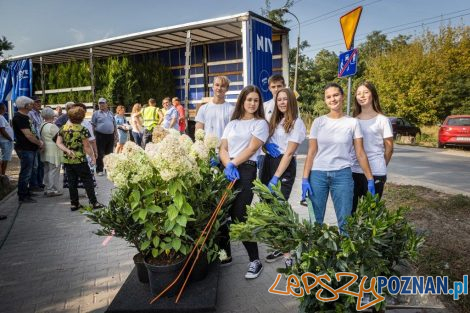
(4, 123)
(375, 130)
(215, 117)
(240, 132)
(268, 107)
(281, 138)
(335, 141)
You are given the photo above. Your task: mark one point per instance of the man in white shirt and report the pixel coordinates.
(215, 115)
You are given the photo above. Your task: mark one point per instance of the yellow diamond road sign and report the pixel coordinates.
(349, 23)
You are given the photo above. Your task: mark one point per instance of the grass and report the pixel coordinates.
(428, 137)
(443, 219)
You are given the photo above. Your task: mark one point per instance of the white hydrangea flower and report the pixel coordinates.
(223, 255)
(211, 141)
(200, 151)
(199, 134)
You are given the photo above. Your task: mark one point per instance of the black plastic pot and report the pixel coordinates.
(160, 276)
(201, 268)
(142, 273)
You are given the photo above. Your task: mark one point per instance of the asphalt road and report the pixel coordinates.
(440, 169)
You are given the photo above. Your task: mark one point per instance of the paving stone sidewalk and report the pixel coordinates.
(52, 262)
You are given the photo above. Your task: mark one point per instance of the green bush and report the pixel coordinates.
(121, 80)
(377, 239)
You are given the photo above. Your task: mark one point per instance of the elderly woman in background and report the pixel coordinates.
(73, 140)
(50, 155)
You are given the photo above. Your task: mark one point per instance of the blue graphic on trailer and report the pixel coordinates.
(262, 49)
(22, 76)
(347, 63)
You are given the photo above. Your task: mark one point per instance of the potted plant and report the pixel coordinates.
(377, 240)
(160, 187)
(116, 220)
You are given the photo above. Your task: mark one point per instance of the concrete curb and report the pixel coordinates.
(10, 209)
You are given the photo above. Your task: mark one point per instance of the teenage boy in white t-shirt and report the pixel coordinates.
(275, 83)
(213, 116)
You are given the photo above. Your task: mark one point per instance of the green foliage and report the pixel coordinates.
(276, 15)
(121, 80)
(205, 197)
(117, 218)
(4, 46)
(427, 79)
(377, 240)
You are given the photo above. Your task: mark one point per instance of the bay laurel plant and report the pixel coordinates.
(377, 240)
(157, 192)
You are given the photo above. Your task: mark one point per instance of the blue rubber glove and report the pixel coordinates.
(231, 172)
(273, 182)
(272, 149)
(214, 162)
(371, 186)
(306, 188)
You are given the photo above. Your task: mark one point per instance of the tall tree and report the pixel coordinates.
(276, 15)
(4, 46)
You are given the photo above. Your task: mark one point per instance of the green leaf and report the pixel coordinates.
(173, 187)
(178, 230)
(182, 220)
(142, 214)
(187, 209)
(148, 192)
(169, 225)
(154, 209)
(179, 200)
(145, 245)
(156, 241)
(176, 243)
(172, 212)
(155, 252)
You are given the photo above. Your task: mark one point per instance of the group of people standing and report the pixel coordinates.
(347, 156)
(144, 120)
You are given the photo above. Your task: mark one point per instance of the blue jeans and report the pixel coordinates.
(26, 163)
(37, 175)
(137, 138)
(340, 184)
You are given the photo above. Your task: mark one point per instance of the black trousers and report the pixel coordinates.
(82, 170)
(105, 145)
(360, 187)
(147, 137)
(287, 179)
(238, 210)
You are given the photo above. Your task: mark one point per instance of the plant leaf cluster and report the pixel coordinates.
(376, 240)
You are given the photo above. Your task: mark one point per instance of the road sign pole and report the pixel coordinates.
(349, 96)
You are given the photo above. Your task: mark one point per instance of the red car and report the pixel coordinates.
(455, 131)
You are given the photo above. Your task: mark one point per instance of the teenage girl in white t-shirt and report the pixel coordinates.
(239, 148)
(378, 141)
(328, 164)
(287, 131)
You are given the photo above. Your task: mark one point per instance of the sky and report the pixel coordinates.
(34, 26)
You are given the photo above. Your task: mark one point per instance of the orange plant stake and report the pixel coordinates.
(206, 230)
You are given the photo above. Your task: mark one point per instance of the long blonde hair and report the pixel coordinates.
(290, 116)
(136, 108)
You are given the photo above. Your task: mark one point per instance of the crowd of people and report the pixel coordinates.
(347, 156)
(47, 140)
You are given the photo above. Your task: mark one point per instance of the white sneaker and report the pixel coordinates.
(100, 173)
(254, 269)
